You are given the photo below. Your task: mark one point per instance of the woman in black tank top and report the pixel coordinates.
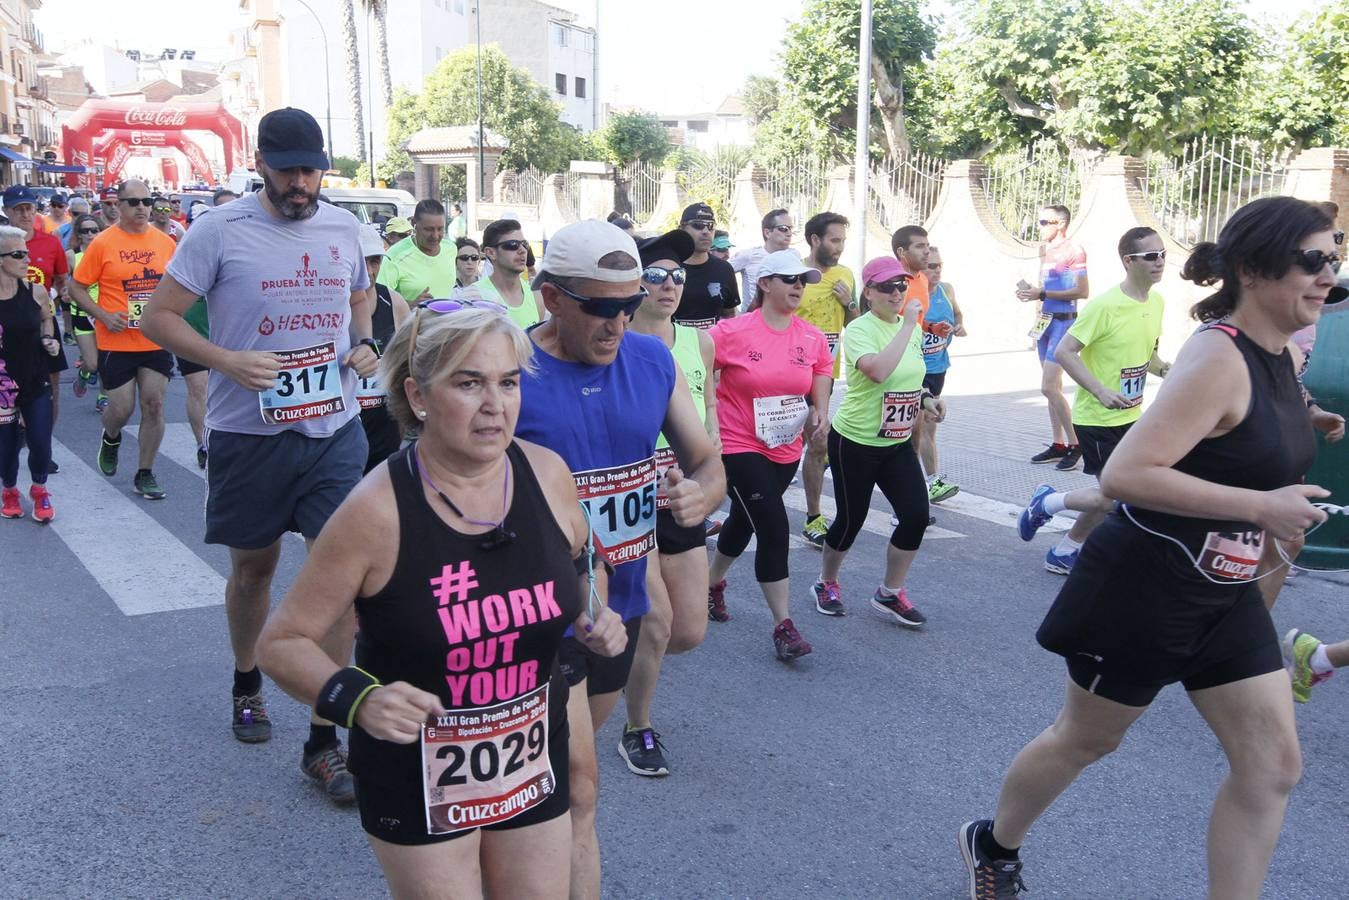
(1166, 589)
(460, 560)
(381, 431)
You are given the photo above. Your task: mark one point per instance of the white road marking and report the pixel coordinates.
(877, 522)
(139, 563)
(997, 512)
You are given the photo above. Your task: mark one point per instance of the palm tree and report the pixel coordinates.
(379, 10)
(354, 76)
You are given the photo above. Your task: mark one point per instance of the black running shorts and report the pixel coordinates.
(119, 367)
(1098, 442)
(602, 674)
(671, 537)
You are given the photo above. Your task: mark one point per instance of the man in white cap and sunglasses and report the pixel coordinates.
(599, 396)
(285, 282)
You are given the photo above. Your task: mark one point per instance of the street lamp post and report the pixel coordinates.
(862, 156)
(327, 76)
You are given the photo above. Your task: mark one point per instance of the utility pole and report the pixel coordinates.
(862, 156)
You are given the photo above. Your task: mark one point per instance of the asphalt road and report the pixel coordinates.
(845, 774)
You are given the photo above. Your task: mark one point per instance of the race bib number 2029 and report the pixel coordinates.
(621, 501)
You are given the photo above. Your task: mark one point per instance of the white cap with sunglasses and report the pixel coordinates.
(787, 262)
(576, 250)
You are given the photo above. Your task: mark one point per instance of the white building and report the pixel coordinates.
(725, 126)
(279, 58)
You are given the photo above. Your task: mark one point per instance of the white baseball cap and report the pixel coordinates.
(786, 262)
(371, 243)
(576, 250)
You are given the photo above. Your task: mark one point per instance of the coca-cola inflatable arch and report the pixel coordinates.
(97, 116)
(114, 148)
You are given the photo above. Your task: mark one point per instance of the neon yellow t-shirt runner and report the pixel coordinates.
(1119, 335)
(524, 315)
(821, 308)
(410, 272)
(880, 415)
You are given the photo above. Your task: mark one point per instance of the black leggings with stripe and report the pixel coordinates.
(756, 485)
(858, 469)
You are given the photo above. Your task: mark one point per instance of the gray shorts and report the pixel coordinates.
(259, 486)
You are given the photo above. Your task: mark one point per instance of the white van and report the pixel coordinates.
(366, 204)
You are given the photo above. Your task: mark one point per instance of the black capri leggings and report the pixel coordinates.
(756, 485)
(857, 469)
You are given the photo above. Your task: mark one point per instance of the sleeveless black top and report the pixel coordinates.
(476, 627)
(23, 362)
(1272, 447)
(381, 320)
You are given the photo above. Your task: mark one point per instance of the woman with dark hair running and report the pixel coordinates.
(1165, 589)
(83, 229)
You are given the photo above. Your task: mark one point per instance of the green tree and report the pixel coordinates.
(347, 166)
(1134, 77)
(514, 106)
(760, 96)
(820, 66)
(629, 136)
(1304, 99)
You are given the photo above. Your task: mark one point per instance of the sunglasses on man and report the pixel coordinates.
(1147, 256)
(509, 246)
(16, 254)
(1044, 222)
(606, 307)
(137, 201)
(701, 225)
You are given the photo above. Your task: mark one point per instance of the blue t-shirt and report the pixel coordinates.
(936, 347)
(604, 421)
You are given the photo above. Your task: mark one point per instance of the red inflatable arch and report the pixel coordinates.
(115, 147)
(97, 116)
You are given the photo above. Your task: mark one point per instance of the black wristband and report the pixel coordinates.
(342, 693)
(1042, 296)
(372, 344)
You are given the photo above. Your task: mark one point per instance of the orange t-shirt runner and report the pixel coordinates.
(127, 268)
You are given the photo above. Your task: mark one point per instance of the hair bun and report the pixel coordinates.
(1205, 265)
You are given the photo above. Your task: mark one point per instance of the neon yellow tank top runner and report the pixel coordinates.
(689, 358)
(524, 315)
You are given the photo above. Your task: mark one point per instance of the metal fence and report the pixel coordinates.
(636, 189)
(1194, 193)
(1021, 184)
(799, 185)
(524, 188)
(905, 192)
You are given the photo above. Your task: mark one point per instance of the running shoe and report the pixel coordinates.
(68, 339)
(642, 750)
(42, 504)
(940, 490)
(712, 526)
(83, 381)
(147, 487)
(1060, 563)
(787, 641)
(1071, 458)
(826, 596)
(1298, 648)
(1050, 454)
(52, 467)
(716, 602)
(931, 520)
(1034, 517)
(201, 457)
(251, 724)
(100, 402)
(329, 768)
(990, 879)
(107, 456)
(11, 507)
(814, 531)
(898, 608)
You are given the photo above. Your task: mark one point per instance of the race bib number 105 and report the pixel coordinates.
(308, 386)
(486, 765)
(621, 501)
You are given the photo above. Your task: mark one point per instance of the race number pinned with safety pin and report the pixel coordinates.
(779, 420)
(621, 501)
(899, 410)
(308, 386)
(486, 765)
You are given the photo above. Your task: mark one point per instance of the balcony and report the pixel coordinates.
(33, 36)
(39, 91)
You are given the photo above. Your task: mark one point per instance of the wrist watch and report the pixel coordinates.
(852, 304)
(372, 344)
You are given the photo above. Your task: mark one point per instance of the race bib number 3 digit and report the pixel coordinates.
(899, 410)
(308, 386)
(1131, 384)
(486, 765)
(135, 309)
(779, 420)
(621, 502)
(370, 393)
(1041, 323)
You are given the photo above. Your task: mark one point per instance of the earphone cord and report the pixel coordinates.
(592, 601)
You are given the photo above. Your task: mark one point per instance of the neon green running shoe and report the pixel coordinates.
(815, 530)
(939, 490)
(1298, 647)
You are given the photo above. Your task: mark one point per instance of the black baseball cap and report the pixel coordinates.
(290, 138)
(676, 245)
(694, 212)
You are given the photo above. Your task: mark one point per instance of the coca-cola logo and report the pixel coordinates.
(171, 116)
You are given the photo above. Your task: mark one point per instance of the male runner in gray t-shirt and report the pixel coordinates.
(286, 290)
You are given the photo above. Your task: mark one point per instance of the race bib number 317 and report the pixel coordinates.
(486, 765)
(621, 501)
(308, 386)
